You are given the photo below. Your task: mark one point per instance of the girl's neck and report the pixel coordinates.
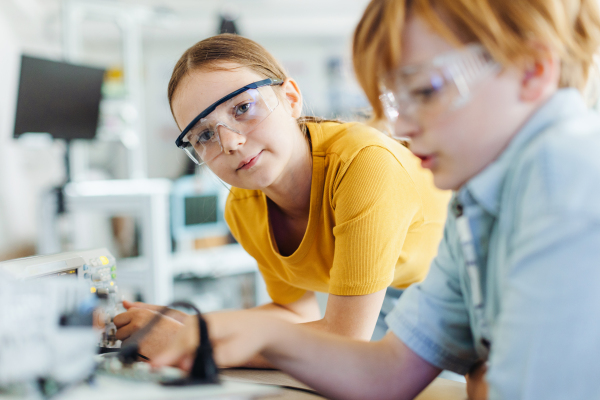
(291, 192)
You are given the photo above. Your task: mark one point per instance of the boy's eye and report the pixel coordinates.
(423, 95)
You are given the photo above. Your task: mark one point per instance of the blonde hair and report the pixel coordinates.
(507, 28)
(210, 54)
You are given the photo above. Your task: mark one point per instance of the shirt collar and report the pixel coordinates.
(485, 188)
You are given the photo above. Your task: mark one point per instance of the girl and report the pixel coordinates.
(487, 91)
(321, 206)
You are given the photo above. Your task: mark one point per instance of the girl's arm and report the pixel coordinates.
(351, 316)
(304, 309)
(139, 314)
(337, 367)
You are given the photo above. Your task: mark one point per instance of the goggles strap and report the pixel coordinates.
(187, 151)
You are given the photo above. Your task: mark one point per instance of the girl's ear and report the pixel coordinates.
(292, 97)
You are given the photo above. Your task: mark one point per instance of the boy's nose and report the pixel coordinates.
(404, 128)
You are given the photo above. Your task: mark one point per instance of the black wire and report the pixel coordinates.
(202, 328)
(204, 369)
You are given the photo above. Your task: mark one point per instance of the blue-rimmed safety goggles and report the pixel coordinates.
(239, 111)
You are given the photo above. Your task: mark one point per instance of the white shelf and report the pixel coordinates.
(218, 261)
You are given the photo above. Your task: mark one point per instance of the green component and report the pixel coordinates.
(114, 276)
(113, 268)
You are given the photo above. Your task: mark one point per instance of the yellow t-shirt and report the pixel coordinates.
(375, 218)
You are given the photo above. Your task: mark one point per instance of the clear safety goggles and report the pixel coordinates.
(423, 91)
(240, 111)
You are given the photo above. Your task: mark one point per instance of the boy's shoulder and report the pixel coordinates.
(561, 166)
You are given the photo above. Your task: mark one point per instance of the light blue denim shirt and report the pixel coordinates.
(534, 216)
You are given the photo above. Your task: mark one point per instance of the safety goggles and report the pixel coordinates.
(423, 91)
(240, 111)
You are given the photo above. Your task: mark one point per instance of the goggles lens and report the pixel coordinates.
(240, 114)
(423, 91)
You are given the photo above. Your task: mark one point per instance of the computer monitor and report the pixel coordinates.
(58, 98)
(197, 209)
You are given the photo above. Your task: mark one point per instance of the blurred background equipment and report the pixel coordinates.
(128, 103)
(94, 272)
(228, 24)
(197, 211)
(123, 215)
(48, 347)
(46, 337)
(57, 99)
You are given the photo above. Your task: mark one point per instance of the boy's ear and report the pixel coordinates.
(292, 97)
(541, 76)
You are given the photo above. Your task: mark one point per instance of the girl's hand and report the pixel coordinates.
(237, 337)
(175, 314)
(156, 340)
(182, 350)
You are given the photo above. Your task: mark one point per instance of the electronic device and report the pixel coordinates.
(59, 98)
(48, 345)
(46, 336)
(95, 269)
(197, 210)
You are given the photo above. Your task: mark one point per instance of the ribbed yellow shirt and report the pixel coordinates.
(375, 218)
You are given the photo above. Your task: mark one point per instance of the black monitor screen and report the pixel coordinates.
(58, 98)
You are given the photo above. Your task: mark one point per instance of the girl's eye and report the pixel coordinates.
(242, 109)
(201, 137)
(205, 136)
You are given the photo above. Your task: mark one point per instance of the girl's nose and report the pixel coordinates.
(230, 139)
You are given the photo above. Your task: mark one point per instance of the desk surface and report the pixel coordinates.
(237, 384)
(439, 389)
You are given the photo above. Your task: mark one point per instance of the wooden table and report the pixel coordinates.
(292, 389)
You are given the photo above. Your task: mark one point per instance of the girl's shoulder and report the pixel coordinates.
(243, 205)
(237, 195)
